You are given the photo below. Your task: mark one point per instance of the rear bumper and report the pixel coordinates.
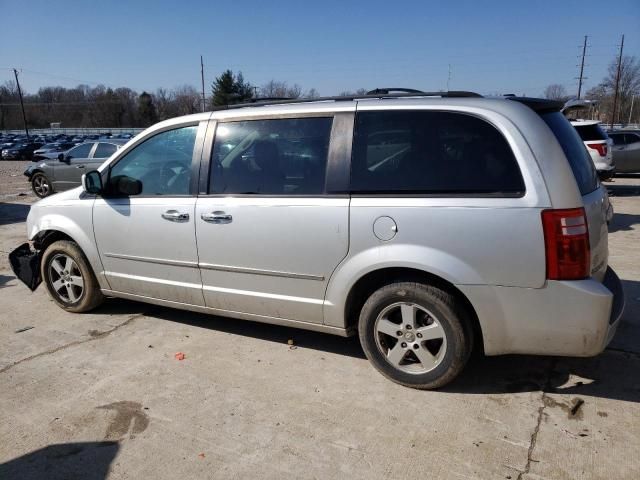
(574, 318)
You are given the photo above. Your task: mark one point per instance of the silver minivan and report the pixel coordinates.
(428, 224)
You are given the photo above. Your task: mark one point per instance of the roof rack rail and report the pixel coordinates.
(347, 98)
(386, 91)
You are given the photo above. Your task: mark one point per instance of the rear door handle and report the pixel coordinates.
(80, 166)
(217, 217)
(175, 216)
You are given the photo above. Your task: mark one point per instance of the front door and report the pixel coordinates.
(147, 242)
(269, 236)
(68, 172)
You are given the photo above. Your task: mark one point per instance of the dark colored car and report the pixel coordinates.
(21, 151)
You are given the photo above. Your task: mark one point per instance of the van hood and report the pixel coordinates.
(62, 198)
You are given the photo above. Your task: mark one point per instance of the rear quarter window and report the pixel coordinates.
(579, 159)
(590, 132)
(435, 153)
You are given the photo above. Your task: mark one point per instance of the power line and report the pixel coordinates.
(24, 116)
(584, 51)
(202, 78)
(615, 96)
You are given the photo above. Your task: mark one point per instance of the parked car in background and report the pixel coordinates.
(427, 225)
(626, 150)
(64, 171)
(51, 150)
(20, 151)
(598, 145)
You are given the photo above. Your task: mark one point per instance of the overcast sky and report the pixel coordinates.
(331, 45)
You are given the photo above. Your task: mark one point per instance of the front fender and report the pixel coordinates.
(73, 220)
(352, 268)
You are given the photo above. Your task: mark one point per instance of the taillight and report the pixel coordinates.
(600, 147)
(566, 240)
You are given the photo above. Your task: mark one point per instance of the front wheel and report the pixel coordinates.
(415, 334)
(69, 278)
(41, 185)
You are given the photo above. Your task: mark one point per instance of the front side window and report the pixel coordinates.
(162, 163)
(270, 157)
(104, 150)
(431, 153)
(81, 151)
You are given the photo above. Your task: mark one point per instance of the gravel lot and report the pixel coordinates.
(101, 395)
(14, 186)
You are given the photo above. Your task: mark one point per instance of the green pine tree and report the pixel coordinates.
(228, 89)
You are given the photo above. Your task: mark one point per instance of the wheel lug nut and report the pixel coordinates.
(416, 346)
(403, 345)
(419, 335)
(409, 327)
(399, 333)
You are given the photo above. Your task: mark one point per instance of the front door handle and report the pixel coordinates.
(217, 217)
(175, 216)
(80, 166)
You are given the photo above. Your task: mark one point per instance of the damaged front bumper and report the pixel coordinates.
(25, 264)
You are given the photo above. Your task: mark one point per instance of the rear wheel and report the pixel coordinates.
(415, 334)
(69, 278)
(41, 185)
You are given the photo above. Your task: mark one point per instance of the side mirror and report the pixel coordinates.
(124, 185)
(61, 157)
(92, 182)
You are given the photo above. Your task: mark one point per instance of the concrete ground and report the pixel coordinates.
(101, 395)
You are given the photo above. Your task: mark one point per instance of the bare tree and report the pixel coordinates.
(555, 91)
(348, 93)
(280, 89)
(628, 87)
(187, 100)
(311, 93)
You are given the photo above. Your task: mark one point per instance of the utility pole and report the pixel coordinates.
(449, 78)
(615, 96)
(202, 78)
(633, 99)
(584, 51)
(24, 117)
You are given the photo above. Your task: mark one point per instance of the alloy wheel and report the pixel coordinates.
(66, 278)
(410, 337)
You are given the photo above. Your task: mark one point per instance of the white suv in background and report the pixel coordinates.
(598, 145)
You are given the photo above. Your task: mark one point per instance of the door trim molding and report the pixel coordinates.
(259, 271)
(161, 261)
(213, 266)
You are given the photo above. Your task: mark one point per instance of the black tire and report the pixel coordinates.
(437, 311)
(41, 185)
(70, 296)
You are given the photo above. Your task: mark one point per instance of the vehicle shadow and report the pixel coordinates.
(86, 460)
(622, 190)
(271, 333)
(623, 222)
(4, 279)
(13, 213)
